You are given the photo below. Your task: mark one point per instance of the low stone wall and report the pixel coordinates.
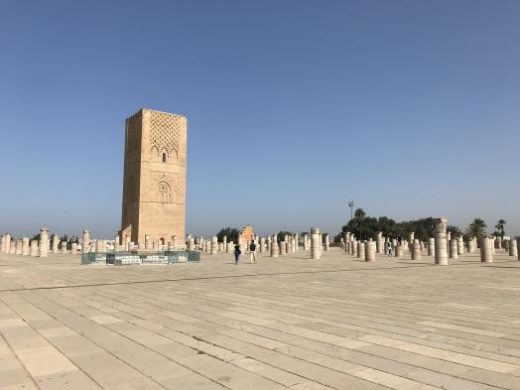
(137, 258)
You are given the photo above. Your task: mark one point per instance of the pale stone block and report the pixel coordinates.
(326, 242)
(214, 245)
(55, 243)
(370, 251)
(431, 246)
(380, 243)
(471, 246)
(25, 246)
(486, 252)
(64, 247)
(34, 248)
(282, 248)
(191, 244)
(44, 361)
(460, 245)
(44, 242)
(416, 250)
(399, 250)
(513, 248)
(7, 243)
(274, 246)
(441, 253)
(100, 246)
(18, 248)
(315, 243)
(85, 243)
(454, 249)
(361, 249)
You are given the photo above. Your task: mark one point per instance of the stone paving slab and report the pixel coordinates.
(290, 322)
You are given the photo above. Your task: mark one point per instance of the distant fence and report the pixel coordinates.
(136, 258)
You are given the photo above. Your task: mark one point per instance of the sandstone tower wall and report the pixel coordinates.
(154, 185)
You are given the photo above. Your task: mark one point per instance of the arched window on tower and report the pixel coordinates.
(165, 192)
(164, 157)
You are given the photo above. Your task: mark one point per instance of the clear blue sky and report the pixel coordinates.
(410, 108)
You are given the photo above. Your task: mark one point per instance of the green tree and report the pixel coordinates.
(454, 230)
(281, 235)
(360, 214)
(500, 226)
(365, 227)
(477, 228)
(231, 233)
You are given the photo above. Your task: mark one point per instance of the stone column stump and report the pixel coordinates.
(315, 243)
(486, 250)
(416, 250)
(370, 251)
(361, 250)
(441, 252)
(454, 247)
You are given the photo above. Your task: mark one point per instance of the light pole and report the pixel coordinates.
(351, 205)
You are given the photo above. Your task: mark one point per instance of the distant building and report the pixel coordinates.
(247, 233)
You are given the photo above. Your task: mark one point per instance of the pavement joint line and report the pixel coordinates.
(18, 359)
(133, 341)
(370, 320)
(289, 344)
(93, 342)
(422, 265)
(46, 339)
(256, 345)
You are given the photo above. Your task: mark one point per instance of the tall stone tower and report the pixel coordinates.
(154, 185)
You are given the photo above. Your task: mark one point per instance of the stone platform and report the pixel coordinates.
(290, 322)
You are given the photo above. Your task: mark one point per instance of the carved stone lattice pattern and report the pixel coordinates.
(133, 141)
(164, 134)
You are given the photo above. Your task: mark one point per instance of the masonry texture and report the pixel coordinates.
(154, 186)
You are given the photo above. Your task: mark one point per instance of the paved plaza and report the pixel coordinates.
(289, 322)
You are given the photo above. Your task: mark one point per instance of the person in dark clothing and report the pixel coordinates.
(252, 252)
(237, 253)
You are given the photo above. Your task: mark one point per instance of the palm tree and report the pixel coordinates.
(500, 226)
(454, 230)
(477, 228)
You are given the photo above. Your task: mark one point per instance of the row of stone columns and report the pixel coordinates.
(34, 248)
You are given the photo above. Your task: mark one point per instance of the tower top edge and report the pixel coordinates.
(143, 109)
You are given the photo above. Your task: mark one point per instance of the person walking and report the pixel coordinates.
(252, 252)
(237, 253)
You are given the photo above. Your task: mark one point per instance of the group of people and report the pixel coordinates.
(252, 253)
(390, 248)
